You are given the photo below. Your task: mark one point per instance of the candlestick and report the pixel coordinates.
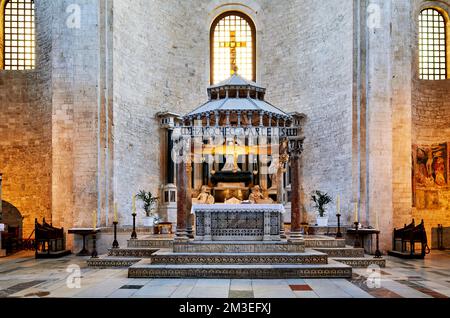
(94, 219)
(357, 243)
(94, 245)
(338, 234)
(338, 204)
(115, 242)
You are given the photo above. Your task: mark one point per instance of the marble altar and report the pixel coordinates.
(238, 222)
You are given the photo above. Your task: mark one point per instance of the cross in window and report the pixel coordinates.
(233, 45)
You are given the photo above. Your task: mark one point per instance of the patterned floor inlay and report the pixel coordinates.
(422, 289)
(440, 273)
(381, 292)
(132, 287)
(300, 288)
(241, 294)
(428, 278)
(415, 278)
(11, 270)
(19, 287)
(38, 294)
(22, 261)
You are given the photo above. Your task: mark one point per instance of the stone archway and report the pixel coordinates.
(13, 220)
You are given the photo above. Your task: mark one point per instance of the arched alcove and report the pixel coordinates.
(13, 220)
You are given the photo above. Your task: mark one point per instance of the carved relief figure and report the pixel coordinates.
(204, 197)
(273, 170)
(257, 197)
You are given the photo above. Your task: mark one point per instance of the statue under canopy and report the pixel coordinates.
(258, 197)
(204, 197)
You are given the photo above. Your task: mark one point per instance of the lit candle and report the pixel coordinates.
(338, 204)
(94, 219)
(115, 212)
(376, 221)
(356, 212)
(134, 204)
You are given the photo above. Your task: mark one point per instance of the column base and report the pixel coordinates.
(181, 236)
(296, 236)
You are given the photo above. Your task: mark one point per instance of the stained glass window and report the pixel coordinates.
(432, 45)
(19, 35)
(232, 47)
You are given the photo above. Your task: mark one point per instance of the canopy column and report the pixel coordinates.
(296, 149)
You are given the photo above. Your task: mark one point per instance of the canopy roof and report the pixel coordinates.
(236, 94)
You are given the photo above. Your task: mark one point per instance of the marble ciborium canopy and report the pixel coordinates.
(228, 144)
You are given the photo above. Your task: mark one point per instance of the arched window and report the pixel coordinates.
(432, 45)
(233, 44)
(18, 36)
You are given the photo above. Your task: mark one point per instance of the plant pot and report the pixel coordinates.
(322, 221)
(149, 221)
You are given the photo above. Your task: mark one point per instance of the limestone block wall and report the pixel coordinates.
(401, 56)
(158, 65)
(25, 129)
(74, 118)
(161, 62)
(431, 124)
(308, 65)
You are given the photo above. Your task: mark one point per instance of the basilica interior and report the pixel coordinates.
(303, 143)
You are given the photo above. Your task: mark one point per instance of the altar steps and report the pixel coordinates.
(321, 241)
(112, 262)
(248, 271)
(139, 252)
(135, 251)
(362, 262)
(239, 247)
(354, 257)
(151, 243)
(342, 252)
(169, 258)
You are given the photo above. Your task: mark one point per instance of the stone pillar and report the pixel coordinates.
(170, 164)
(182, 189)
(296, 149)
(188, 200)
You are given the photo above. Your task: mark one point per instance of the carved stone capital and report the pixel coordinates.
(296, 147)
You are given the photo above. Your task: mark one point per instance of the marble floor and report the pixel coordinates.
(23, 276)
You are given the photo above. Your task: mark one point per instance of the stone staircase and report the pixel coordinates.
(135, 251)
(314, 257)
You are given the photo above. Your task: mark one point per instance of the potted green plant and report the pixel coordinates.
(320, 200)
(149, 207)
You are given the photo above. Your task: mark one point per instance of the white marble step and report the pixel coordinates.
(343, 252)
(332, 270)
(361, 262)
(309, 257)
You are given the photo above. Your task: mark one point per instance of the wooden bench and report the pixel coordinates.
(408, 237)
(50, 242)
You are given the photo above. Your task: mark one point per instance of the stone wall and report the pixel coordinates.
(431, 125)
(25, 129)
(401, 58)
(80, 132)
(161, 62)
(75, 115)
